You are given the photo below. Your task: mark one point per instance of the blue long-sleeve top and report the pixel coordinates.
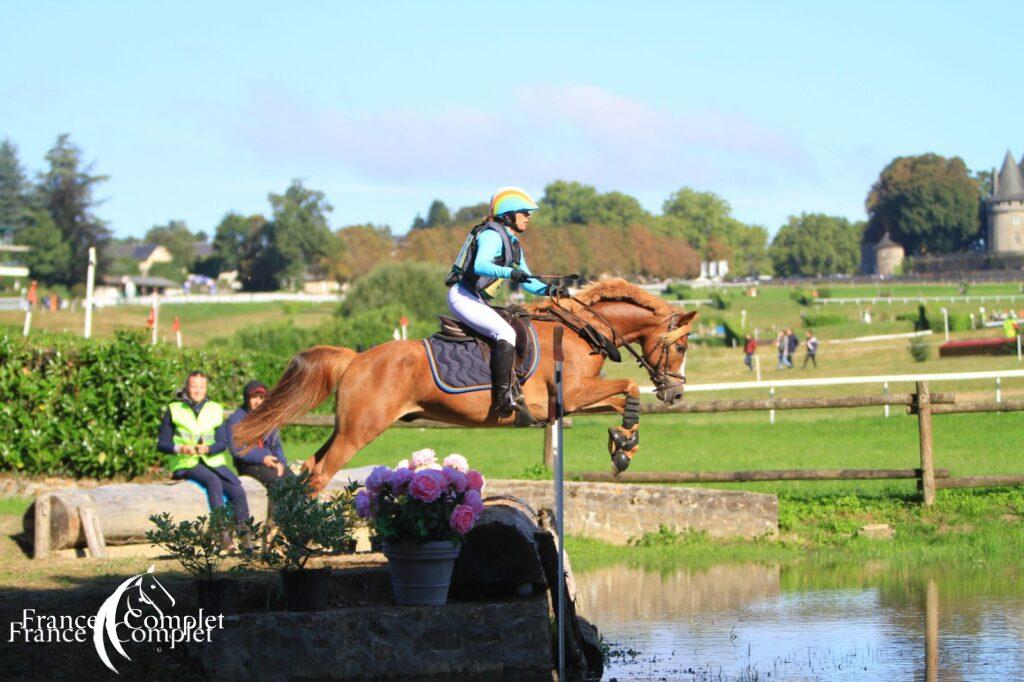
(488, 250)
(270, 445)
(165, 437)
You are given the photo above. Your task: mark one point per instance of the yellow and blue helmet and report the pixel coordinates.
(508, 199)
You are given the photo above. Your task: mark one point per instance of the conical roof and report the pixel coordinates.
(1011, 181)
(885, 242)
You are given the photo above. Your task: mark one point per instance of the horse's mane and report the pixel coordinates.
(612, 289)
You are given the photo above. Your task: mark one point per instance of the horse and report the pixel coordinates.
(393, 381)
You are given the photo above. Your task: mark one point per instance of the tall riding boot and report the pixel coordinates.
(502, 358)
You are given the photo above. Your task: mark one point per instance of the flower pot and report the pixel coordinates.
(305, 589)
(421, 574)
(219, 595)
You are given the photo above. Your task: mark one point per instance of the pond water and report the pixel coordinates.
(809, 622)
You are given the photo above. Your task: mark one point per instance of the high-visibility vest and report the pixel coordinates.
(189, 428)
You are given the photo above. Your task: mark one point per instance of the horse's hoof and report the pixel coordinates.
(621, 461)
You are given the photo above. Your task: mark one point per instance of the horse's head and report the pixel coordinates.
(664, 349)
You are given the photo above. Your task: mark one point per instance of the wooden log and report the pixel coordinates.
(980, 406)
(924, 426)
(93, 533)
(706, 406)
(746, 476)
(979, 481)
(500, 556)
(123, 510)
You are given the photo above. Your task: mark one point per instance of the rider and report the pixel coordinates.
(491, 255)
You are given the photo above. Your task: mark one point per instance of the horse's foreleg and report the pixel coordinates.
(624, 397)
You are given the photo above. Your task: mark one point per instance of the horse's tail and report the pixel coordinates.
(307, 381)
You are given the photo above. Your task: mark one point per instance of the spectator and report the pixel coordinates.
(264, 461)
(780, 346)
(792, 343)
(812, 350)
(749, 348)
(194, 436)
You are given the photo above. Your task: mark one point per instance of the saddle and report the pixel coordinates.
(518, 318)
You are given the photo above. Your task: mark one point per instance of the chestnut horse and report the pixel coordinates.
(393, 381)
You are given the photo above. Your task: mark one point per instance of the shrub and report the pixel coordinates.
(801, 297)
(919, 349)
(822, 319)
(416, 289)
(678, 291)
(197, 544)
(720, 299)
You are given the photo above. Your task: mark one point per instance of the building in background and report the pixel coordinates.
(1005, 209)
(888, 256)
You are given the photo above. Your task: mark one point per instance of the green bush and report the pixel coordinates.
(720, 299)
(417, 289)
(801, 297)
(822, 319)
(92, 408)
(678, 291)
(919, 349)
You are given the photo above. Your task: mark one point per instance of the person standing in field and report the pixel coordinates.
(194, 437)
(749, 348)
(780, 346)
(792, 343)
(265, 461)
(812, 350)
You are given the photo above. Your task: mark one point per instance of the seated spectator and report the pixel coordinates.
(264, 461)
(194, 437)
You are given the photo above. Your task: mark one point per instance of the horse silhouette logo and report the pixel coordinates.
(138, 593)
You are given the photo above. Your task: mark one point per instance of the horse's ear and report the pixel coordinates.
(688, 318)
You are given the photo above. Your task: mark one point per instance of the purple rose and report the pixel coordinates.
(463, 518)
(475, 480)
(364, 504)
(400, 479)
(472, 499)
(427, 485)
(455, 478)
(378, 477)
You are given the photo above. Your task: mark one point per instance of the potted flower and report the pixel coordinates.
(420, 510)
(304, 527)
(199, 547)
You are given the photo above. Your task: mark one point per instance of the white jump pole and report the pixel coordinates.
(559, 453)
(771, 413)
(757, 365)
(1018, 348)
(28, 321)
(90, 279)
(156, 315)
(945, 322)
(999, 389)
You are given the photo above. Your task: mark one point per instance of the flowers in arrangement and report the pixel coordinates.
(422, 500)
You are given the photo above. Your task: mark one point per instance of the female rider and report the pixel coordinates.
(491, 255)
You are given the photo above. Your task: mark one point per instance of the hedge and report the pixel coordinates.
(74, 407)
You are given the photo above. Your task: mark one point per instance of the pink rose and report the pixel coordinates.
(421, 459)
(472, 499)
(364, 504)
(463, 518)
(457, 462)
(378, 477)
(427, 485)
(475, 480)
(455, 478)
(400, 480)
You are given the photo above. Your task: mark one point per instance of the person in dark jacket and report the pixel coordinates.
(792, 343)
(194, 437)
(264, 461)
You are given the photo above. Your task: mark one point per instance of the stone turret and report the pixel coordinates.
(888, 256)
(1006, 208)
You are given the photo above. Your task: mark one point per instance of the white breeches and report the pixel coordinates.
(470, 309)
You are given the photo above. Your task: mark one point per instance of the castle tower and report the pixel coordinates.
(1006, 209)
(888, 256)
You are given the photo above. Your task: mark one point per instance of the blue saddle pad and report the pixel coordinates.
(460, 367)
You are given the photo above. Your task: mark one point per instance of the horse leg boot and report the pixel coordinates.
(624, 441)
(502, 358)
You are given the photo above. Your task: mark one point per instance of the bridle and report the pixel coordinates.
(659, 373)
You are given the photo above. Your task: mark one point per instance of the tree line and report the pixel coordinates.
(927, 203)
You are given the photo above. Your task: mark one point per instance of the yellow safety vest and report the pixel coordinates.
(189, 428)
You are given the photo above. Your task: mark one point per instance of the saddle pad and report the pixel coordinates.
(459, 367)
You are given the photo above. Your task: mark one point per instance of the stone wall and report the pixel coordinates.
(616, 512)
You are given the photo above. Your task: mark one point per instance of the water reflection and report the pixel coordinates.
(809, 622)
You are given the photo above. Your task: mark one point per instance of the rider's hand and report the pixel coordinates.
(518, 276)
(186, 450)
(558, 291)
(280, 469)
(270, 461)
(202, 449)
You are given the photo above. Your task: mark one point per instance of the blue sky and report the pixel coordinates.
(195, 109)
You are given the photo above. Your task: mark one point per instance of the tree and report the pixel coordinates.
(361, 248)
(66, 191)
(573, 203)
(229, 238)
(49, 256)
(816, 244)
(418, 223)
(471, 215)
(417, 288)
(927, 203)
(258, 259)
(14, 195)
(438, 215)
(176, 238)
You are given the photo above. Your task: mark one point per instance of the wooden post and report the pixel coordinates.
(41, 528)
(93, 533)
(924, 425)
(549, 443)
(931, 632)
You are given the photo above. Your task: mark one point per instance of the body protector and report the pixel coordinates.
(462, 270)
(191, 429)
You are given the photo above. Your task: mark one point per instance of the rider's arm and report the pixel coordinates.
(488, 248)
(165, 437)
(533, 285)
